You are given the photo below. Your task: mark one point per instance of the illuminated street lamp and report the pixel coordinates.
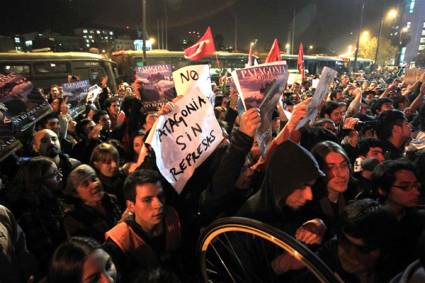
(287, 47)
(389, 16)
(152, 41)
(311, 47)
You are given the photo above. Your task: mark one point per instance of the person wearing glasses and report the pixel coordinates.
(400, 190)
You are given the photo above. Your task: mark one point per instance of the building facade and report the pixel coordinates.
(98, 38)
(413, 28)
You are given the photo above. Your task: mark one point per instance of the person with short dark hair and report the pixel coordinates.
(362, 248)
(112, 106)
(381, 105)
(399, 190)
(151, 233)
(395, 131)
(101, 117)
(333, 110)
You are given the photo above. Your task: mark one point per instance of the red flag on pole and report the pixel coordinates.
(274, 53)
(300, 62)
(204, 46)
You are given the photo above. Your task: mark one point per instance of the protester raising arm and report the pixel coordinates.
(354, 106)
(387, 91)
(167, 108)
(289, 131)
(416, 103)
(220, 196)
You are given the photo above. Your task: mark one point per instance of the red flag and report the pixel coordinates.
(249, 64)
(274, 53)
(300, 62)
(204, 46)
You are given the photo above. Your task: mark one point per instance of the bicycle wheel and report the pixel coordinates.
(236, 249)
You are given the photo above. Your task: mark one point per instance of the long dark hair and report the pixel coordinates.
(320, 151)
(31, 174)
(67, 263)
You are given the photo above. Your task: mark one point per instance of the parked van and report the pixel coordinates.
(46, 68)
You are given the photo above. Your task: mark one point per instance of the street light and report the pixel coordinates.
(311, 47)
(365, 36)
(389, 16)
(288, 48)
(358, 34)
(152, 41)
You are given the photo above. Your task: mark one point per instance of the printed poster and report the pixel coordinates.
(157, 86)
(327, 76)
(21, 105)
(261, 86)
(76, 94)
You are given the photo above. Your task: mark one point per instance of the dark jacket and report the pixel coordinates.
(222, 197)
(114, 185)
(291, 166)
(82, 220)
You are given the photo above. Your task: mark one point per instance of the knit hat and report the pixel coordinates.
(77, 176)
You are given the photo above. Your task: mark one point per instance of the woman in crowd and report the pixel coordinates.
(32, 199)
(105, 160)
(90, 211)
(81, 260)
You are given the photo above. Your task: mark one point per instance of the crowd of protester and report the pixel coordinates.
(84, 201)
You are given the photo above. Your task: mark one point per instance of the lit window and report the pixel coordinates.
(84, 31)
(412, 6)
(424, 25)
(98, 31)
(17, 40)
(88, 45)
(408, 24)
(111, 33)
(423, 32)
(421, 47)
(422, 40)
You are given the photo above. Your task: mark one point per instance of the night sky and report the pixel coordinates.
(324, 23)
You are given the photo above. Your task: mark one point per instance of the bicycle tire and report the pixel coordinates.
(269, 233)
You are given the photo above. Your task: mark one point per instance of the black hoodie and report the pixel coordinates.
(291, 166)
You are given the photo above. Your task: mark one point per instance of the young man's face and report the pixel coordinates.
(105, 121)
(114, 108)
(337, 172)
(299, 197)
(148, 207)
(405, 189)
(403, 130)
(376, 152)
(47, 144)
(386, 106)
(337, 115)
(53, 124)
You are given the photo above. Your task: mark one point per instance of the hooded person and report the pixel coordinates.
(285, 189)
